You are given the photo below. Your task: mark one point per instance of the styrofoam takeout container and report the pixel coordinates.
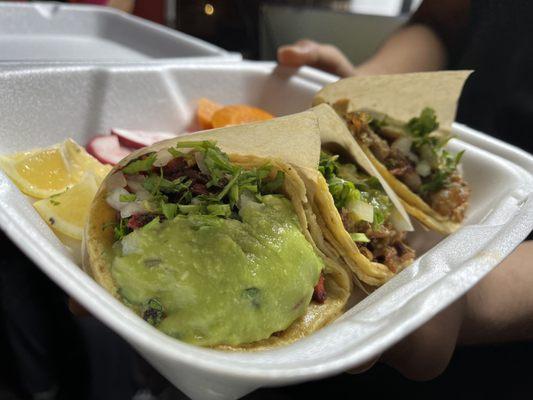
(64, 33)
(39, 107)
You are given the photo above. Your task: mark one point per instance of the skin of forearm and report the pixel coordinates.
(413, 48)
(500, 307)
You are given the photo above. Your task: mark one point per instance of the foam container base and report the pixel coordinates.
(42, 106)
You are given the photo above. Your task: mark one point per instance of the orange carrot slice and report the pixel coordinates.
(238, 114)
(205, 112)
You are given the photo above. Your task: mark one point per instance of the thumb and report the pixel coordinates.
(322, 56)
(295, 55)
(303, 52)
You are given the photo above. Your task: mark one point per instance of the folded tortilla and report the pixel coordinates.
(334, 239)
(292, 139)
(400, 98)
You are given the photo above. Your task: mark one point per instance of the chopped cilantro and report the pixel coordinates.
(169, 210)
(140, 165)
(127, 198)
(437, 180)
(222, 210)
(152, 224)
(121, 229)
(190, 209)
(346, 184)
(275, 184)
(424, 124)
(208, 183)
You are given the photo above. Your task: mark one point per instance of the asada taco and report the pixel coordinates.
(361, 219)
(402, 123)
(208, 237)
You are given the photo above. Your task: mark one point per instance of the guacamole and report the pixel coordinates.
(209, 280)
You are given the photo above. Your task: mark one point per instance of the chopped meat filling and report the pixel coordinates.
(319, 293)
(386, 245)
(450, 201)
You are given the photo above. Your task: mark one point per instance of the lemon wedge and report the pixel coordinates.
(82, 161)
(42, 173)
(67, 212)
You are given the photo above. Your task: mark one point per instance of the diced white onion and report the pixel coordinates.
(135, 183)
(413, 157)
(399, 222)
(427, 154)
(134, 207)
(363, 211)
(403, 144)
(113, 199)
(200, 162)
(423, 168)
(143, 194)
(130, 244)
(162, 158)
(117, 180)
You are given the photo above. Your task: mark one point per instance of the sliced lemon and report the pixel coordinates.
(42, 173)
(82, 161)
(67, 212)
(39, 173)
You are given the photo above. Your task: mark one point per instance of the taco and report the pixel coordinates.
(402, 123)
(360, 217)
(208, 237)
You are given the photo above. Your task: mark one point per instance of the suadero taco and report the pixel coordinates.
(402, 123)
(208, 237)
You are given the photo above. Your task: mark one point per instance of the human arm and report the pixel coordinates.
(420, 45)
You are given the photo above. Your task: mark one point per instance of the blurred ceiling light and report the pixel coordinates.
(209, 9)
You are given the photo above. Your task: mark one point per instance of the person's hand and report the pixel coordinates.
(322, 56)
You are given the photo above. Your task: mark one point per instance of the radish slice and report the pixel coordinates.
(138, 139)
(106, 149)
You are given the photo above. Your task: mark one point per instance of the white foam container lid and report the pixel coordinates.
(64, 33)
(42, 106)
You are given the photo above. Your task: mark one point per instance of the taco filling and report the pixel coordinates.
(414, 153)
(366, 213)
(209, 251)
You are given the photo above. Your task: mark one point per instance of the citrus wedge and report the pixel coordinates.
(67, 212)
(82, 162)
(42, 173)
